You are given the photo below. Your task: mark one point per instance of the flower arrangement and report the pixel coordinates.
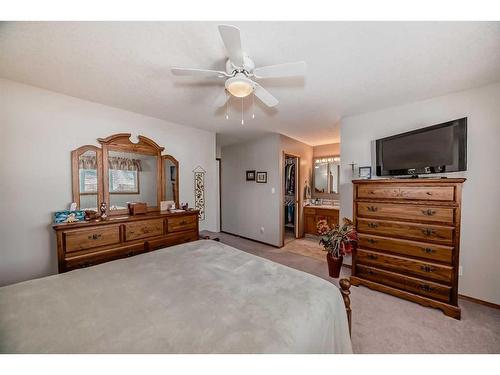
(339, 240)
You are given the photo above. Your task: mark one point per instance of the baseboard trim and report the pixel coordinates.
(250, 239)
(479, 301)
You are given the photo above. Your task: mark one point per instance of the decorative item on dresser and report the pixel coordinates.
(409, 238)
(115, 234)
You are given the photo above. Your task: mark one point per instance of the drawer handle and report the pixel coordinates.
(429, 212)
(146, 230)
(427, 268)
(372, 208)
(428, 192)
(183, 222)
(371, 256)
(428, 232)
(428, 250)
(426, 287)
(372, 225)
(94, 237)
(370, 272)
(371, 240)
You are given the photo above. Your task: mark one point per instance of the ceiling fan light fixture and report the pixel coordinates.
(240, 86)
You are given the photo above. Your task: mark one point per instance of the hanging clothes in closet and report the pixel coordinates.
(290, 177)
(289, 212)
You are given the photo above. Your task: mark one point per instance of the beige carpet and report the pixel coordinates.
(386, 324)
(308, 247)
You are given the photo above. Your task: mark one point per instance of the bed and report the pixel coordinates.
(199, 297)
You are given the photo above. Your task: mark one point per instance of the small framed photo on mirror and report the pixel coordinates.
(261, 177)
(365, 173)
(250, 175)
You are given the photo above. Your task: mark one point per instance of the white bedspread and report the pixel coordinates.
(200, 297)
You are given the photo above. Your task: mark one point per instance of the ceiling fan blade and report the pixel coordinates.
(265, 96)
(281, 70)
(231, 37)
(197, 72)
(222, 98)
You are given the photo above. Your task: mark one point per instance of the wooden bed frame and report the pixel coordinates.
(345, 284)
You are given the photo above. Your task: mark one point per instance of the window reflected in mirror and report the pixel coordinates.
(326, 175)
(132, 178)
(87, 173)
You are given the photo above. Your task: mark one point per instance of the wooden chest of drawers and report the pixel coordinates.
(409, 238)
(85, 244)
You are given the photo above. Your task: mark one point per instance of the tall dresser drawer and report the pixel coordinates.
(177, 224)
(406, 212)
(430, 251)
(431, 193)
(82, 239)
(425, 232)
(431, 271)
(411, 284)
(143, 229)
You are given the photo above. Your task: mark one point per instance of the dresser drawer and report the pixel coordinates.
(177, 224)
(309, 211)
(143, 229)
(173, 239)
(410, 284)
(406, 212)
(425, 232)
(431, 193)
(431, 271)
(430, 251)
(82, 239)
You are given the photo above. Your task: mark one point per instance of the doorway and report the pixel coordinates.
(290, 197)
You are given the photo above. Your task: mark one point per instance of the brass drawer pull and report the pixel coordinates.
(372, 208)
(370, 272)
(372, 225)
(371, 256)
(426, 287)
(371, 240)
(428, 192)
(429, 212)
(428, 250)
(95, 237)
(183, 222)
(427, 268)
(428, 232)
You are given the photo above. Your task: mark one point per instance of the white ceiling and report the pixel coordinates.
(353, 67)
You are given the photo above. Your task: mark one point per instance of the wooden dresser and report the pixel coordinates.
(313, 214)
(409, 237)
(85, 244)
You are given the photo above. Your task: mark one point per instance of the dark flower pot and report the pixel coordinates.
(334, 265)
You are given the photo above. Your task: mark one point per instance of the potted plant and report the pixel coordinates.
(338, 242)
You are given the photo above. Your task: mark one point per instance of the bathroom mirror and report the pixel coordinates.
(86, 163)
(326, 176)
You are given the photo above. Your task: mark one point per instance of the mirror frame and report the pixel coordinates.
(164, 158)
(324, 195)
(121, 142)
(75, 174)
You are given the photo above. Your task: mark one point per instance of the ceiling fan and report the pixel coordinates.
(241, 71)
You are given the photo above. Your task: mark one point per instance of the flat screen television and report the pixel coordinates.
(435, 149)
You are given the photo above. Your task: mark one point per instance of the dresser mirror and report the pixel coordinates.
(326, 176)
(123, 171)
(132, 177)
(86, 164)
(170, 179)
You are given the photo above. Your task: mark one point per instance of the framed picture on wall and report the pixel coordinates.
(250, 175)
(261, 177)
(365, 172)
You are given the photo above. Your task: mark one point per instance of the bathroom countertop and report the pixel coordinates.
(323, 206)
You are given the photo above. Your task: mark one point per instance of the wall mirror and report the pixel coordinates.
(326, 176)
(122, 172)
(86, 165)
(170, 179)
